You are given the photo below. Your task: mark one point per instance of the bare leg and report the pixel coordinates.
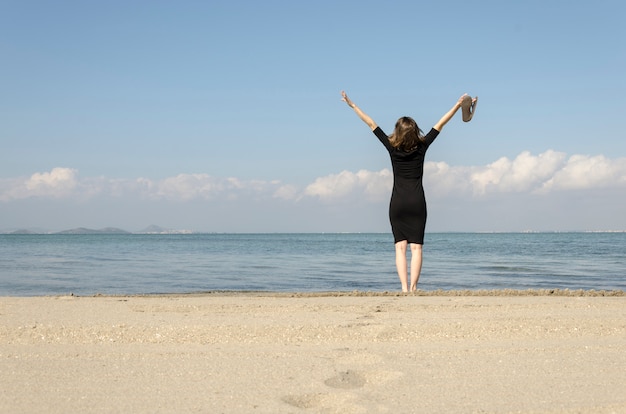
(416, 264)
(401, 263)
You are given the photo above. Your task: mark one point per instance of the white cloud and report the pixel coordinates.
(188, 186)
(537, 192)
(526, 174)
(441, 179)
(57, 183)
(184, 187)
(583, 172)
(374, 185)
(286, 192)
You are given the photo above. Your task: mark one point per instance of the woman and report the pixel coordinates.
(407, 210)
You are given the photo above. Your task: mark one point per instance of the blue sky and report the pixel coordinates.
(226, 115)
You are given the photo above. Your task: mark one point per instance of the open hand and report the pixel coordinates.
(347, 100)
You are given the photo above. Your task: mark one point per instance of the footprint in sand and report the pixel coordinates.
(303, 401)
(346, 380)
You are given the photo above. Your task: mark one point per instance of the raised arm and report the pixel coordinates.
(448, 116)
(364, 117)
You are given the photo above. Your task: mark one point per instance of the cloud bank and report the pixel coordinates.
(548, 172)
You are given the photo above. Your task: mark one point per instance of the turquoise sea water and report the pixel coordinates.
(32, 265)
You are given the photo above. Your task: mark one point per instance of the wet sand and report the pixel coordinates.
(465, 352)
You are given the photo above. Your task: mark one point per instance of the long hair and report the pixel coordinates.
(406, 134)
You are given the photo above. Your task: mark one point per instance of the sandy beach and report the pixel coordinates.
(319, 353)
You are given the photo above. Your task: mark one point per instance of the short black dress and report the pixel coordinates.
(407, 209)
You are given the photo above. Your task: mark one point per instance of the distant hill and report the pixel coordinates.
(83, 230)
(23, 231)
(152, 229)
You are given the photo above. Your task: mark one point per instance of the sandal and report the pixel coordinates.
(468, 108)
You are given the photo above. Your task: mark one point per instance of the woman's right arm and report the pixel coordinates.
(448, 115)
(364, 117)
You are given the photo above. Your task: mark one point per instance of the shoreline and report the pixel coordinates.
(348, 352)
(358, 293)
(425, 293)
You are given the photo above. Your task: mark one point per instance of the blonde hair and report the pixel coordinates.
(406, 134)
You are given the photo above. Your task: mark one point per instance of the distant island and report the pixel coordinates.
(24, 231)
(152, 229)
(83, 230)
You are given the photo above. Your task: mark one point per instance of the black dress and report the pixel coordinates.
(407, 209)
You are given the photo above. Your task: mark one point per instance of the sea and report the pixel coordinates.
(131, 264)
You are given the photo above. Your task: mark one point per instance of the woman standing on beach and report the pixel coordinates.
(407, 210)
